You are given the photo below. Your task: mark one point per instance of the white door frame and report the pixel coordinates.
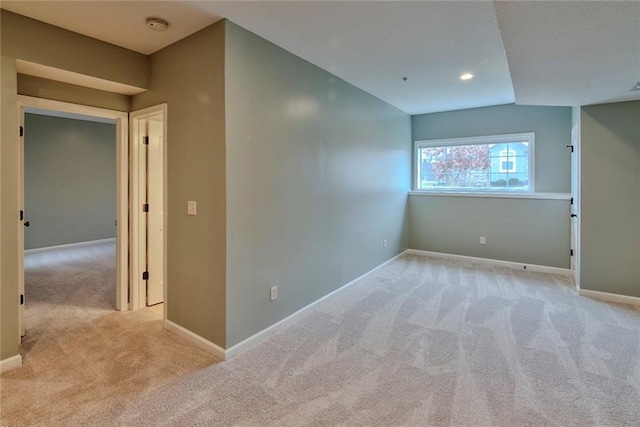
(138, 288)
(575, 206)
(122, 190)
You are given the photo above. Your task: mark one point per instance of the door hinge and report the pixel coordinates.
(145, 207)
(21, 215)
(21, 131)
(21, 299)
(571, 252)
(571, 200)
(570, 146)
(145, 140)
(145, 275)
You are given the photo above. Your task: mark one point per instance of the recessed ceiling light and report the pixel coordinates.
(466, 76)
(157, 24)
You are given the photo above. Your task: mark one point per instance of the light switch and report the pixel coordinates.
(192, 208)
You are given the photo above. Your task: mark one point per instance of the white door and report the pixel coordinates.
(25, 223)
(155, 216)
(147, 201)
(575, 203)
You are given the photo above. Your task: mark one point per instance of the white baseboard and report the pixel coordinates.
(510, 264)
(195, 339)
(10, 363)
(278, 326)
(69, 245)
(257, 338)
(606, 296)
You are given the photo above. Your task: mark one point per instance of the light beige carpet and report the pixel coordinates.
(420, 342)
(81, 357)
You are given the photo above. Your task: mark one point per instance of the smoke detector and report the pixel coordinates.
(157, 24)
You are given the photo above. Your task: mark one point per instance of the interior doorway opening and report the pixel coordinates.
(120, 221)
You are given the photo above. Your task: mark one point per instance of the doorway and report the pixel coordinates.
(140, 202)
(122, 170)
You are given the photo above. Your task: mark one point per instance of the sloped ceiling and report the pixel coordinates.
(543, 53)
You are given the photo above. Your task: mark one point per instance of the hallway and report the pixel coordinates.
(79, 349)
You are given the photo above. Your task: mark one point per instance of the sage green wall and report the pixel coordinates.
(522, 230)
(610, 198)
(70, 180)
(58, 91)
(189, 77)
(34, 41)
(31, 40)
(9, 219)
(518, 230)
(317, 176)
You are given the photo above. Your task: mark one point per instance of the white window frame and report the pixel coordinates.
(528, 137)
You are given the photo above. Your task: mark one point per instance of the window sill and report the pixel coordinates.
(539, 196)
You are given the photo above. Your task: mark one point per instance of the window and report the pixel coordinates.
(499, 163)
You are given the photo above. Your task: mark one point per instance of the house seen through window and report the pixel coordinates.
(489, 163)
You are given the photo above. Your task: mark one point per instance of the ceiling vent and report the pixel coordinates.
(635, 87)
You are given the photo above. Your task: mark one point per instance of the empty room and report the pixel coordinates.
(352, 213)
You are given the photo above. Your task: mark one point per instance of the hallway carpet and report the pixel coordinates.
(80, 356)
(422, 341)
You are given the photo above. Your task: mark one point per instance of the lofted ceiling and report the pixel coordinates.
(529, 52)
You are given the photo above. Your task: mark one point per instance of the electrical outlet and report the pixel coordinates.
(274, 293)
(384, 243)
(483, 240)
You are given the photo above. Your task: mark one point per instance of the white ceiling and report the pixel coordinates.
(572, 53)
(548, 53)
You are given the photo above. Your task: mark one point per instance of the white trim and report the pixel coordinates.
(609, 297)
(57, 74)
(22, 323)
(69, 246)
(10, 363)
(278, 326)
(490, 194)
(85, 110)
(478, 140)
(122, 213)
(576, 172)
(500, 263)
(195, 339)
